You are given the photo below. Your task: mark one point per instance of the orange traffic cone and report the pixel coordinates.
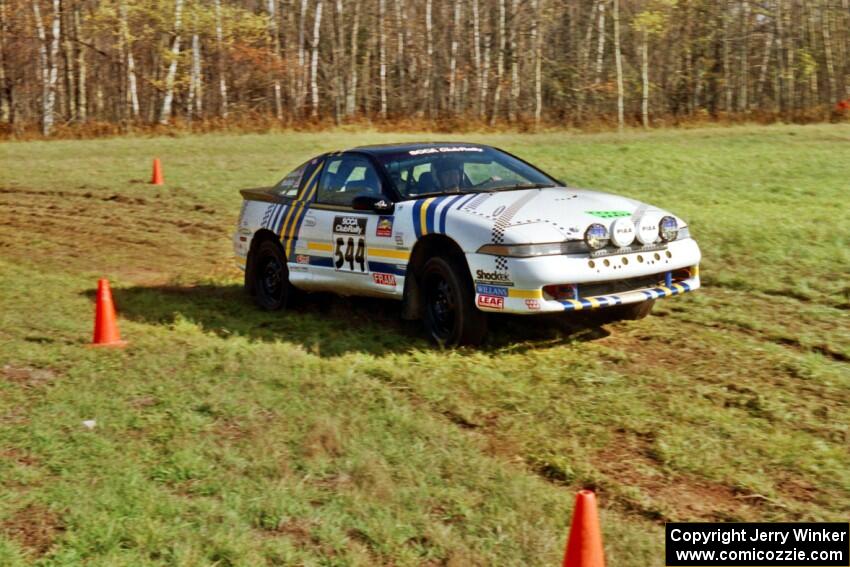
(105, 327)
(156, 178)
(584, 546)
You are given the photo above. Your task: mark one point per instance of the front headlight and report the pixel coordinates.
(596, 236)
(668, 229)
(534, 250)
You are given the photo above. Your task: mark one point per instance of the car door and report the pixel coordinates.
(336, 238)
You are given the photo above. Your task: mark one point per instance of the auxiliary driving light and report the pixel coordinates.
(622, 232)
(668, 229)
(596, 236)
(647, 229)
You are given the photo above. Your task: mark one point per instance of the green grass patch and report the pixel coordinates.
(333, 434)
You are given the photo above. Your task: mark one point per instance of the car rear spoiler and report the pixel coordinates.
(263, 194)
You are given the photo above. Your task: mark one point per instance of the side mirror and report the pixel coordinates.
(375, 204)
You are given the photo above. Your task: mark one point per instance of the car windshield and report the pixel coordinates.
(450, 169)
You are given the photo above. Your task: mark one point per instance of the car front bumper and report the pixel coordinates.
(523, 285)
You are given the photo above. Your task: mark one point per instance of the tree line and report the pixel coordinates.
(68, 63)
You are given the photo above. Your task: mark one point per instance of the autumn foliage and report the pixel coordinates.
(98, 67)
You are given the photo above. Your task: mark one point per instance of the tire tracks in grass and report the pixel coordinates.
(624, 472)
(78, 230)
(800, 324)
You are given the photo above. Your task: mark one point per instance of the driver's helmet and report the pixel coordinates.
(449, 171)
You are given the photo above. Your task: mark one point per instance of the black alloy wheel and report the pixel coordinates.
(451, 318)
(271, 276)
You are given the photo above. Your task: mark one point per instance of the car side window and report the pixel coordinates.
(346, 177)
(288, 186)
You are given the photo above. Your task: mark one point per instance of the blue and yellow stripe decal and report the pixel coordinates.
(611, 300)
(291, 224)
(322, 261)
(525, 293)
(426, 219)
(396, 269)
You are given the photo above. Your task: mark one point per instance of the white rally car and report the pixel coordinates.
(456, 231)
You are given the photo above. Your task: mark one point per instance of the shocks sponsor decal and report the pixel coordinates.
(302, 259)
(383, 279)
(495, 277)
(532, 304)
(491, 302)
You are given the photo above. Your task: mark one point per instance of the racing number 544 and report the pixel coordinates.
(354, 252)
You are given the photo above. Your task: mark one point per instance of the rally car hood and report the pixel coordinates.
(546, 215)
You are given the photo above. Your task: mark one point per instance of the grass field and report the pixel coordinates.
(334, 434)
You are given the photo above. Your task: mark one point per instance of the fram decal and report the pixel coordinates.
(355, 226)
(383, 279)
(385, 227)
(302, 259)
(532, 304)
(491, 290)
(491, 302)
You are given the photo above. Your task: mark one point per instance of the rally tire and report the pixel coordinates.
(268, 278)
(449, 313)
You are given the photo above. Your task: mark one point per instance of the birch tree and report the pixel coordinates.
(351, 99)
(382, 57)
(274, 39)
(476, 55)
(429, 49)
(500, 64)
(651, 22)
(5, 98)
(47, 62)
(82, 71)
(537, 42)
(573, 62)
(165, 113)
(314, 61)
(453, 56)
(618, 60)
(219, 43)
(196, 93)
(132, 89)
(514, 98)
